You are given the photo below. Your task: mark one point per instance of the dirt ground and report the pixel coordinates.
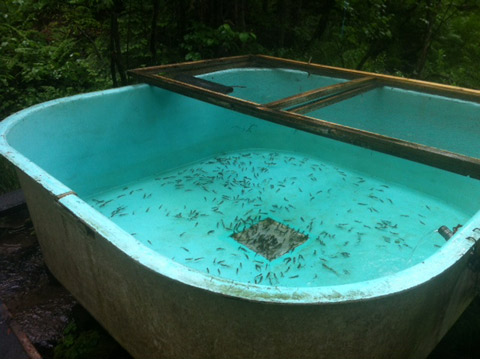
(41, 306)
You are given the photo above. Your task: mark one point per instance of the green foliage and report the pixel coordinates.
(8, 177)
(56, 48)
(204, 42)
(84, 344)
(42, 59)
(53, 48)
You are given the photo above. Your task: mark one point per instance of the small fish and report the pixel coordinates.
(329, 268)
(105, 203)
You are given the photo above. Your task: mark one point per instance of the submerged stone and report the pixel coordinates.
(270, 238)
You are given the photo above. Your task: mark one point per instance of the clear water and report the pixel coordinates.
(430, 120)
(358, 227)
(263, 85)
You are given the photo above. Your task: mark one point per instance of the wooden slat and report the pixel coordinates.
(205, 66)
(386, 80)
(445, 160)
(311, 68)
(312, 106)
(459, 93)
(196, 92)
(197, 67)
(209, 85)
(317, 93)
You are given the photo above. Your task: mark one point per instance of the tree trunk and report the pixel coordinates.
(153, 33)
(113, 73)
(116, 60)
(365, 57)
(240, 14)
(181, 8)
(282, 11)
(297, 12)
(325, 11)
(219, 20)
(265, 7)
(427, 38)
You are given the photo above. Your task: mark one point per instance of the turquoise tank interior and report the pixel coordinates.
(209, 227)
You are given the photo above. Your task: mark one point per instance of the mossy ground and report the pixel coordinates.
(8, 177)
(84, 338)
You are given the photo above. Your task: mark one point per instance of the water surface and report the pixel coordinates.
(358, 227)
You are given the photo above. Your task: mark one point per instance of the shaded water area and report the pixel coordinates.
(55, 323)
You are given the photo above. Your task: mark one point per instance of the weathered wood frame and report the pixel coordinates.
(290, 111)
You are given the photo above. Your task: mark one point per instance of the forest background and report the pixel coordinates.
(56, 48)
